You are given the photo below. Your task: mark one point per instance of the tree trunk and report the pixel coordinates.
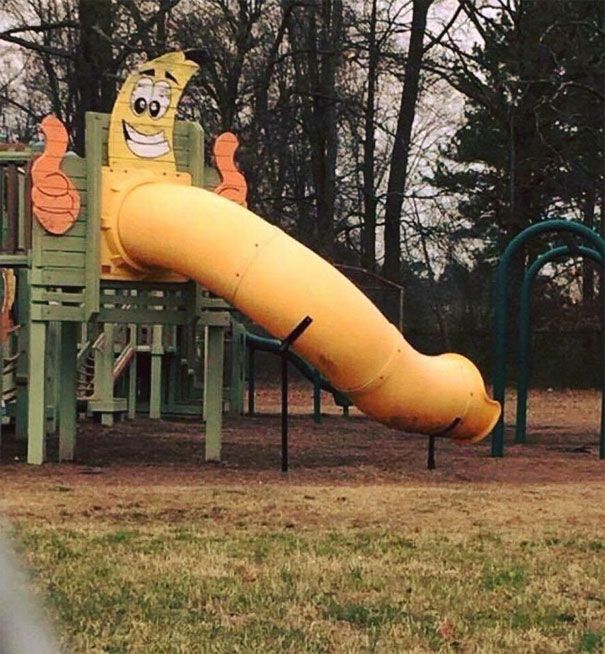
(322, 62)
(401, 147)
(95, 86)
(588, 278)
(317, 27)
(368, 234)
(163, 12)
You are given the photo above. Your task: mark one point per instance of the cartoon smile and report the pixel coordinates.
(148, 146)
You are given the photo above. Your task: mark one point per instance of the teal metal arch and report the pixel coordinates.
(501, 323)
(525, 327)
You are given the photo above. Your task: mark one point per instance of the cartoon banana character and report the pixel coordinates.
(142, 122)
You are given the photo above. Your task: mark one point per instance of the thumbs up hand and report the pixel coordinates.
(233, 185)
(56, 202)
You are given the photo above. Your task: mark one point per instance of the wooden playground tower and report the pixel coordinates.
(75, 333)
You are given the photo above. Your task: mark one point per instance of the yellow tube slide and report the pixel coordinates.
(277, 281)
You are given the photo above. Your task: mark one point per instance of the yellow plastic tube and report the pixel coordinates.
(276, 281)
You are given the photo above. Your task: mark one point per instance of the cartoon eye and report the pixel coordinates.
(140, 104)
(160, 99)
(141, 95)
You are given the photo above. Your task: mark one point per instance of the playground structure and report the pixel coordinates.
(172, 348)
(76, 337)
(99, 255)
(109, 267)
(594, 249)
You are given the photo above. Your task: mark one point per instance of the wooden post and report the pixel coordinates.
(214, 348)
(3, 350)
(36, 404)
(23, 194)
(21, 377)
(430, 464)
(155, 386)
(67, 398)
(94, 161)
(54, 383)
(132, 376)
(251, 381)
(317, 398)
(238, 369)
(205, 378)
(103, 383)
(172, 380)
(12, 208)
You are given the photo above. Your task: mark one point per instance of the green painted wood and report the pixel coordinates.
(67, 403)
(40, 294)
(149, 303)
(18, 156)
(145, 317)
(145, 301)
(132, 375)
(53, 382)
(205, 376)
(147, 287)
(3, 198)
(21, 377)
(75, 244)
(75, 167)
(155, 386)
(64, 259)
(213, 391)
(36, 418)
(171, 380)
(238, 369)
(15, 261)
(94, 160)
(195, 135)
(57, 277)
(36, 251)
(115, 405)
(215, 303)
(77, 230)
(182, 409)
(3, 353)
(59, 313)
(21, 220)
(215, 318)
(58, 261)
(103, 380)
(211, 177)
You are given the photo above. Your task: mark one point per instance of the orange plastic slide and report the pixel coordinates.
(277, 281)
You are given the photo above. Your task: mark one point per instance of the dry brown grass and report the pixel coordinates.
(141, 549)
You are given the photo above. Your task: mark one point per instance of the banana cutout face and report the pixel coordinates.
(141, 128)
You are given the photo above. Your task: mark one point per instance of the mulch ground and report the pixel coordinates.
(562, 447)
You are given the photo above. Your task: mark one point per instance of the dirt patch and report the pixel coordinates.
(562, 447)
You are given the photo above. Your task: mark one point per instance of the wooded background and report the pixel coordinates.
(413, 138)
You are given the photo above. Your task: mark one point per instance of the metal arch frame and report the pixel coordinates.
(525, 327)
(501, 320)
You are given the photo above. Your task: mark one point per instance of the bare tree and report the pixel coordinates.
(401, 147)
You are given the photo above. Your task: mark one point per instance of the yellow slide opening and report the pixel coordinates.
(276, 281)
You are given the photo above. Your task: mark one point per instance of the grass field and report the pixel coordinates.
(171, 557)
